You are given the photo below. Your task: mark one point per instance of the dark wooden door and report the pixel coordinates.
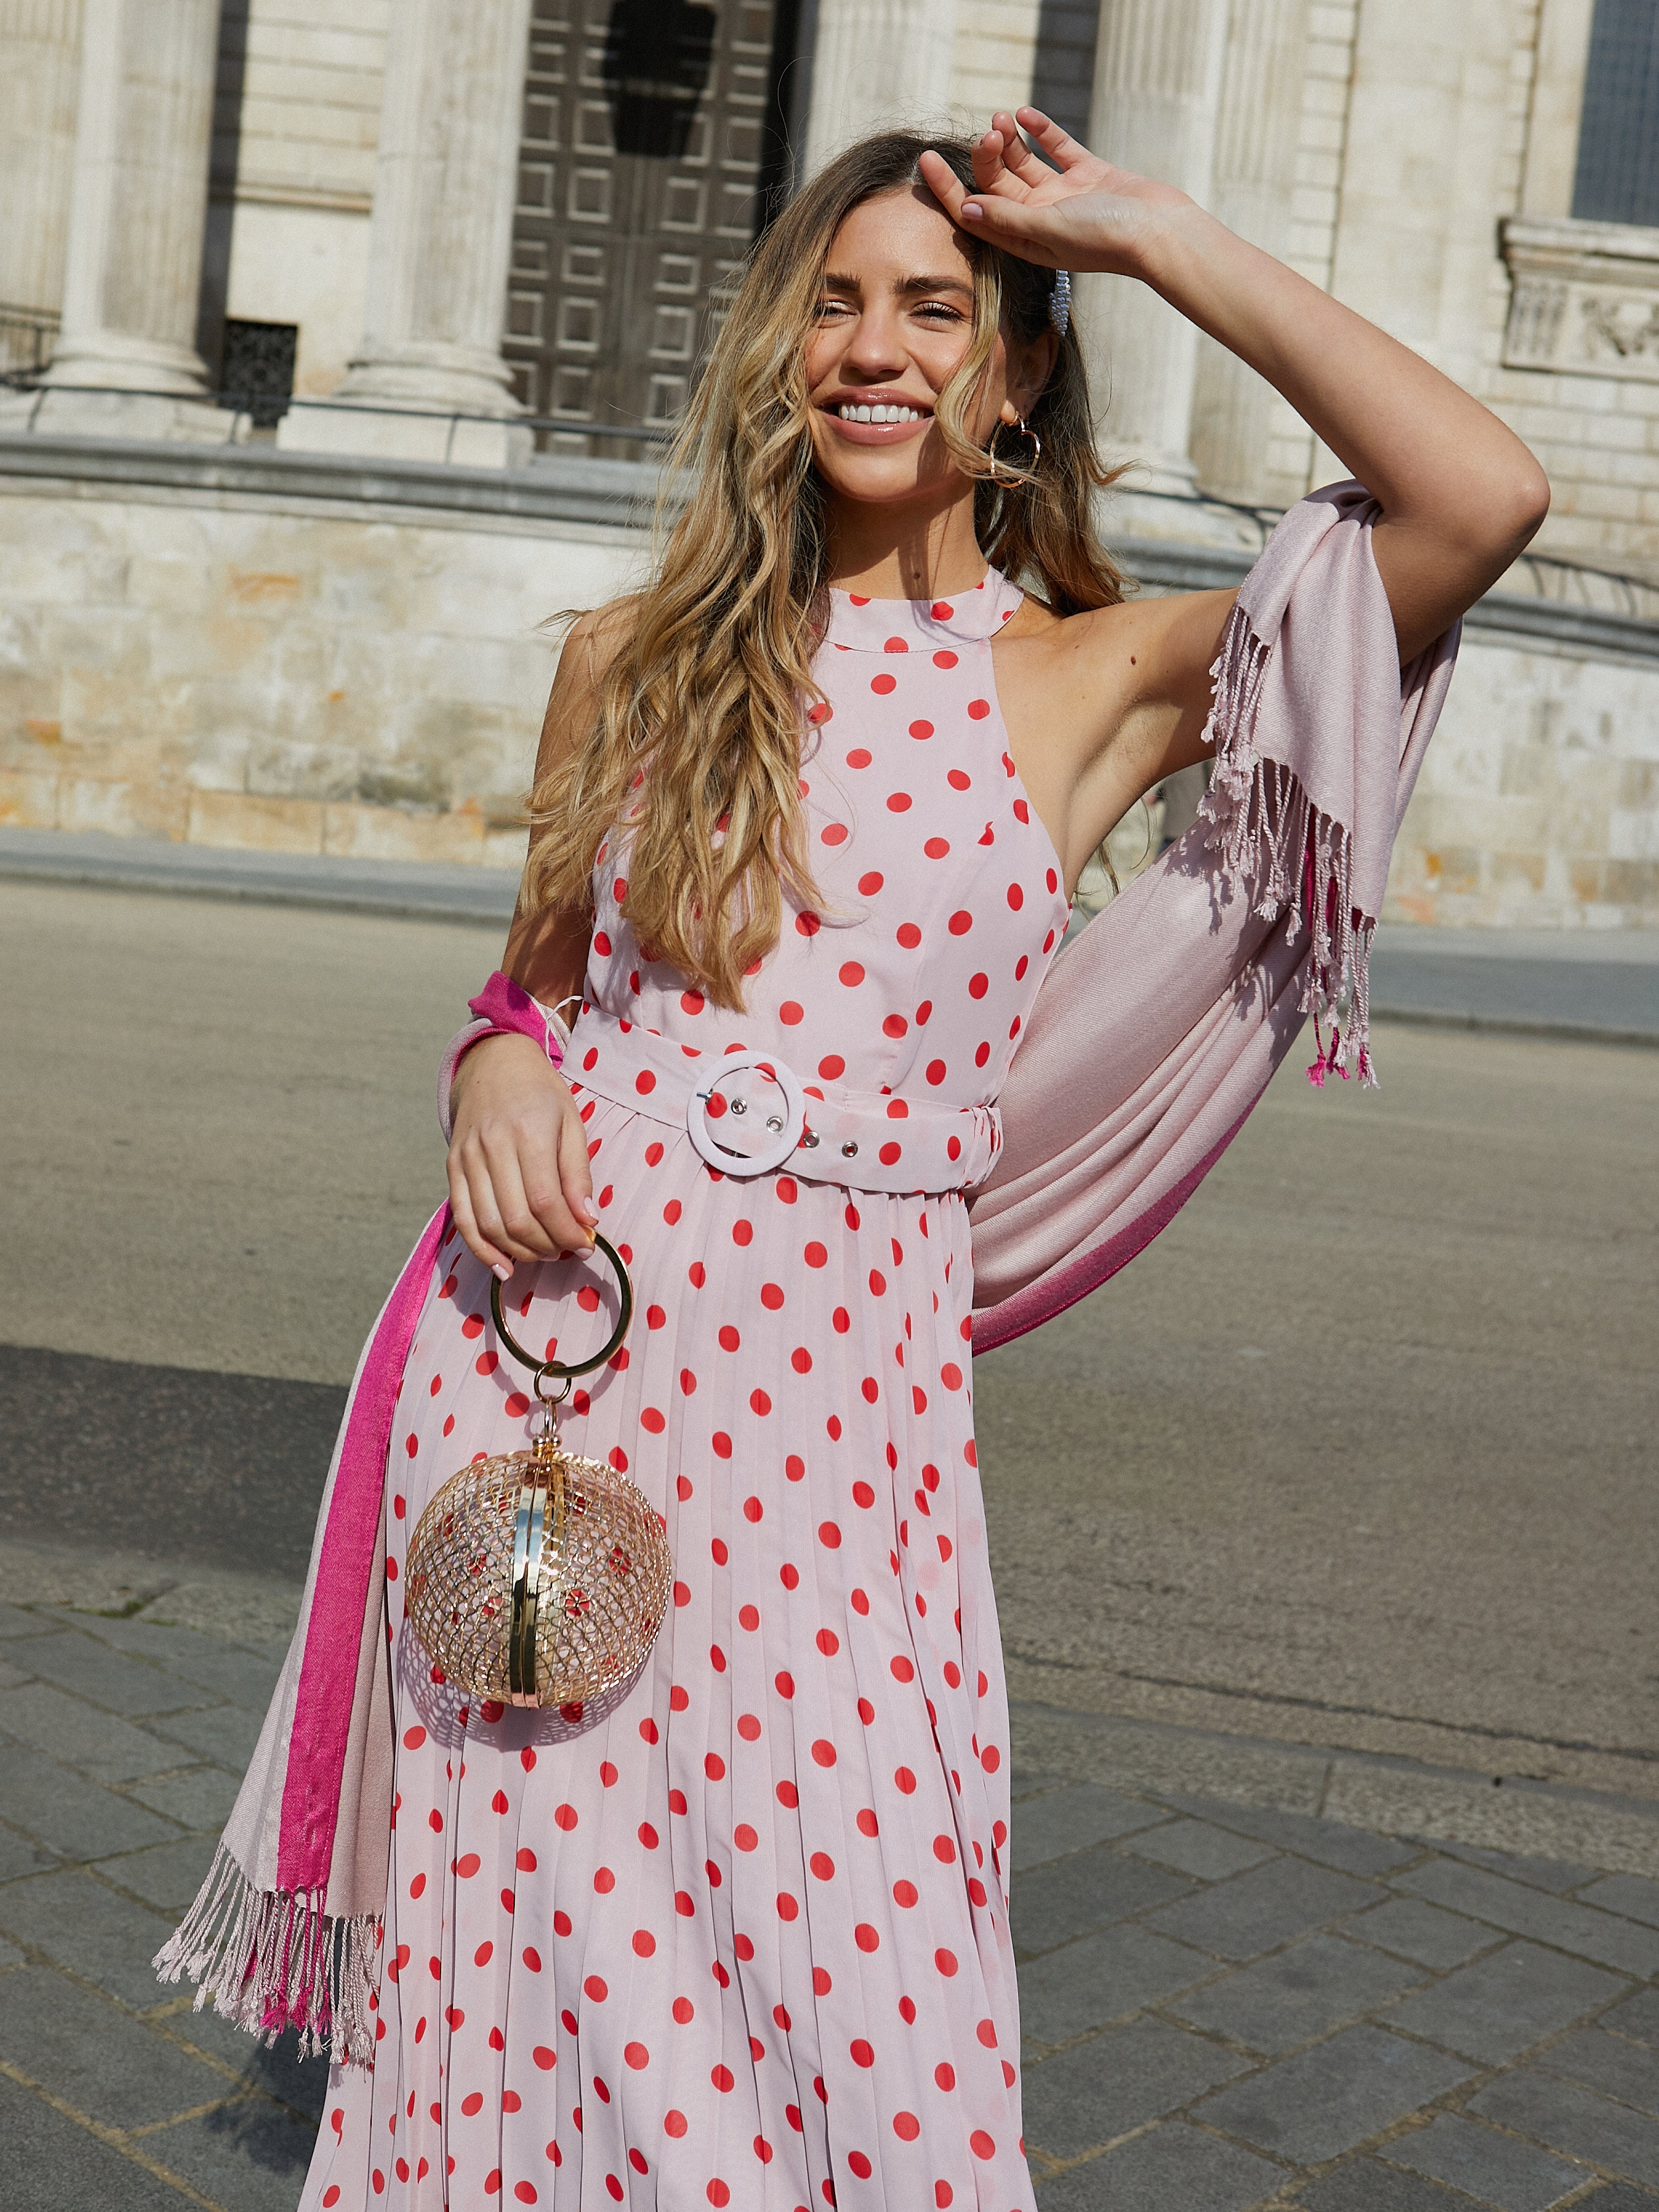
(651, 143)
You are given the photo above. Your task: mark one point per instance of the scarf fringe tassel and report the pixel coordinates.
(1272, 838)
(274, 1959)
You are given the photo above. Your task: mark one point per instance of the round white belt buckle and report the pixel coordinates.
(783, 1130)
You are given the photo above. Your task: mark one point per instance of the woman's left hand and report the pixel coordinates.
(1082, 213)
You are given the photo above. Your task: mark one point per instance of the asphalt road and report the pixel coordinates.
(1360, 1453)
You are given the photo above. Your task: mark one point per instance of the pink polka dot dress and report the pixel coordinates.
(741, 1938)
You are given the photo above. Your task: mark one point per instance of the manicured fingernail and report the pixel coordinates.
(972, 210)
(589, 1212)
(501, 1270)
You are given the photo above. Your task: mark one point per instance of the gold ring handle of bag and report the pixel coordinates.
(535, 1577)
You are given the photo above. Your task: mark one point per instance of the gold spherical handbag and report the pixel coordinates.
(538, 1578)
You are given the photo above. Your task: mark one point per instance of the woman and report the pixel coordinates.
(742, 1938)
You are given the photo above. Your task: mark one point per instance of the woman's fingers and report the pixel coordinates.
(1023, 165)
(1060, 148)
(466, 1219)
(524, 1179)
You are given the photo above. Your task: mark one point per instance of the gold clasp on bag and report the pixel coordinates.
(537, 1578)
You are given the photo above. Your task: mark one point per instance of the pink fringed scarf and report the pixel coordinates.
(1151, 1040)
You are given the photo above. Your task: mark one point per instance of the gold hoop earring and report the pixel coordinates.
(1026, 430)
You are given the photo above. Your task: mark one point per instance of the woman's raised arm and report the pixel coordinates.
(1460, 494)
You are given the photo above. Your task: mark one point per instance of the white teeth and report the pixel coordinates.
(882, 411)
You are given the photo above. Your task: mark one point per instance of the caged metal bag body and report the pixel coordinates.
(538, 1578)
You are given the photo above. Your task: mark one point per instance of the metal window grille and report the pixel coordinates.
(256, 370)
(1618, 175)
(27, 335)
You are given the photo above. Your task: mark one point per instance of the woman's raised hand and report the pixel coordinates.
(1081, 214)
(520, 1186)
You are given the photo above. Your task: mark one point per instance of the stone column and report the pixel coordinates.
(445, 185)
(138, 214)
(1253, 192)
(40, 71)
(877, 62)
(1156, 93)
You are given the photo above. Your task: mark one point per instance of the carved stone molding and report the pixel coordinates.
(1585, 297)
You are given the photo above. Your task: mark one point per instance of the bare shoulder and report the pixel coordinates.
(590, 644)
(594, 639)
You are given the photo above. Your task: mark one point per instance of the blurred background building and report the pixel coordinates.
(341, 337)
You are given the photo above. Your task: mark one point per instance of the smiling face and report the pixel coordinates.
(894, 319)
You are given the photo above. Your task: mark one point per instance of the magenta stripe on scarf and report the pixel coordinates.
(1052, 1293)
(322, 1716)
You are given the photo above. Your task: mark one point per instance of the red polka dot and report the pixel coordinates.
(859, 757)
(898, 802)
(791, 1012)
(978, 709)
(982, 2145)
(883, 684)
(851, 973)
(870, 883)
(831, 1065)
(909, 937)
(959, 779)
(866, 1937)
(937, 848)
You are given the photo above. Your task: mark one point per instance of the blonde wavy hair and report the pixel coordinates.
(695, 752)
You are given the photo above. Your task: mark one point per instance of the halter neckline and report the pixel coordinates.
(970, 617)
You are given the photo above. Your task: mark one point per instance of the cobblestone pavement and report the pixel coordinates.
(1225, 2005)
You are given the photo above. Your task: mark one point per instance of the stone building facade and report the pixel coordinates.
(341, 337)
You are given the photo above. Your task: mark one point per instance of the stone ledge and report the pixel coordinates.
(622, 495)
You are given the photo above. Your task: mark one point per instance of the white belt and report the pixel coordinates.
(750, 1113)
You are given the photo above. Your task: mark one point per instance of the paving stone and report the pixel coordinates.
(1493, 2168)
(1422, 1931)
(1259, 1911)
(1557, 1875)
(1099, 1979)
(200, 1799)
(110, 1678)
(1350, 1850)
(10, 1955)
(1626, 2071)
(1575, 2121)
(75, 1819)
(1498, 2008)
(1621, 1944)
(108, 1749)
(241, 1678)
(246, 2153)
(224, 1734)
(1172, 2166)
(13, 1621)
(1365, 2186)
(65, 2169)
(1618, 2198)
(20, 1855)
(279, 2072)
(168, 1875)
(1197, 1848)
(1071, 1819)
(1632, 1894)
(1297, 1995)
(191, 1647)
(12, 1677)
(106, 1939)
(1324, 2102)
(1053, 1903)
(1115, 2081)
(94, 2057)
(1637, 2016)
